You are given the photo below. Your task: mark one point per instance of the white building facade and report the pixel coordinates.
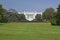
(30, 15)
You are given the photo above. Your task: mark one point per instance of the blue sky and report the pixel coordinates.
(30, 5)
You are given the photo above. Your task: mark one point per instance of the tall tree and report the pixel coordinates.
(56, 19)
(58, 15)
(2, 12)
(47, 14)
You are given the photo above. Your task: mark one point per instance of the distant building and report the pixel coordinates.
(30, 15)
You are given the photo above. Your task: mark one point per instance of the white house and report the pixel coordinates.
(30, 15)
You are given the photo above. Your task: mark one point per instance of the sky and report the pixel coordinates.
(30, 5)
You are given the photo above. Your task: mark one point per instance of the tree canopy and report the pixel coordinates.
(47, 14)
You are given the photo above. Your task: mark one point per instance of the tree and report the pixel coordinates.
(56, 19)
(2, 12)
(58, 15)
(22, 17)
(38, 18)
(53, 20)
(12, 15)
(47, 14)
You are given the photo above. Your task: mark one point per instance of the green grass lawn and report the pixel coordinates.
(29, 31)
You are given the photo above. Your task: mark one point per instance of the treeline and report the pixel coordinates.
(11, 15)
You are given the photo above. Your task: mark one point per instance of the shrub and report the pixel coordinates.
(53, 22)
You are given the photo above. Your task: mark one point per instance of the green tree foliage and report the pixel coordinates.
(53, 20)
(47, 14)
(58, 15)
(38, 18)
(21, 17)
(12, 15)
(56, 19)
(2, 13)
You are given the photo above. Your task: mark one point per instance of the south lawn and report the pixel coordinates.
(29, 31)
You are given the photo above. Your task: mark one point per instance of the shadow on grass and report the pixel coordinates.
(55, 25)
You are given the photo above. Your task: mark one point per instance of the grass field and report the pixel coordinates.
(29, 31)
